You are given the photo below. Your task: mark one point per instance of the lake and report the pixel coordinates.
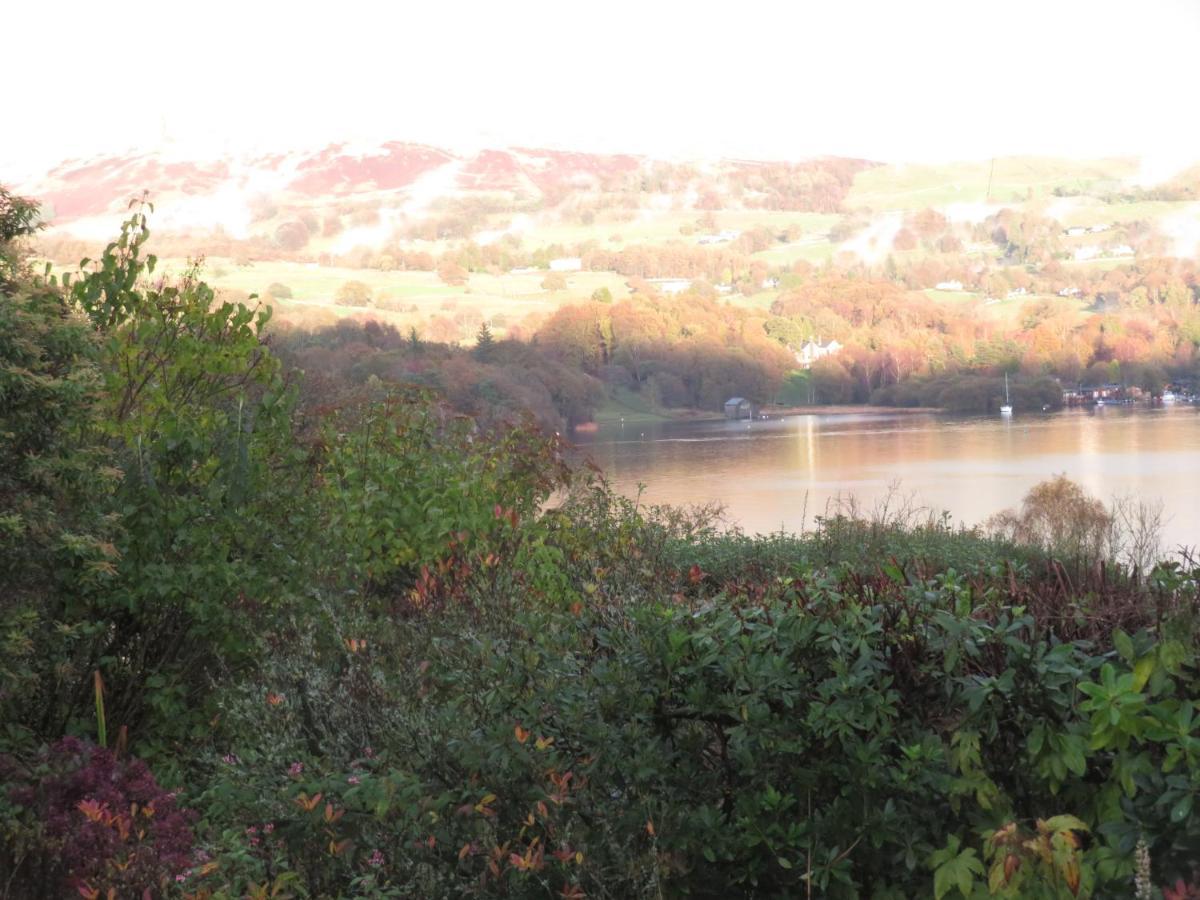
(780, 473)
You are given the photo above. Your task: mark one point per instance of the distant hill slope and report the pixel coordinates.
(411, 182)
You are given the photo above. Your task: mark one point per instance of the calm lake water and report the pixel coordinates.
(780, 473)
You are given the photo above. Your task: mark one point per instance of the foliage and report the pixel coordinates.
(411, 487)
(353, 293)
(78, 816)
(555, 281)
(1061, 518)
(177, 451)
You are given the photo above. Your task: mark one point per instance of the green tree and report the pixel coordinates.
(196, 417)
(57, 479)
(485, 344)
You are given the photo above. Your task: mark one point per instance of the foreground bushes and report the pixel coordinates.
(393, 653)
(868, 730)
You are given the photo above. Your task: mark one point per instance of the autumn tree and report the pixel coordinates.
(555, 281)
(452, 273)
(353, 293)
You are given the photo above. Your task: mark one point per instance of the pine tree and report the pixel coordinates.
(485, 344)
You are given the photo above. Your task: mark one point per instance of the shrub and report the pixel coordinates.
(279, 291)
(89, 821)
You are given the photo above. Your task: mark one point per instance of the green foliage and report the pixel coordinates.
(410, 486)
(485, 344)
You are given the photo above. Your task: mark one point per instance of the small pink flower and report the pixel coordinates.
(376, 859)
(369, 753)
(268, 828)
(229, 759)
(252, 830)
(181, 878)
(353, 779)
(295, 769)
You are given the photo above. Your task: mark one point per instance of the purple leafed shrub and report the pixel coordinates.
(96, 822)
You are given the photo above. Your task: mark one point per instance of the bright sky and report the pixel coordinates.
(914, 80)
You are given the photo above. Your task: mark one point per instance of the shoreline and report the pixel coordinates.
(769, 412)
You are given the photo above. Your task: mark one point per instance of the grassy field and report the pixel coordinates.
(815, 250)
(420, 294)
(1090, 211)
(919, 186)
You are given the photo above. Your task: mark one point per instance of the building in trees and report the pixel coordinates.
(815, 350)
(738, 408)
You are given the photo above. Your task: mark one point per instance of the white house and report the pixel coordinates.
(948, 286)
(1083, 254)
(1096, 229)
(566, 264)
(1018, 292)
(814, 350)
(1121, 250)
(1069, 292)
(1074, 230)
(722, 237)
(670, 285)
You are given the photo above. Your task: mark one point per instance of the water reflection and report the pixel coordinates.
(783, 472)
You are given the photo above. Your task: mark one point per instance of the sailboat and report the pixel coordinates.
(1006, 409)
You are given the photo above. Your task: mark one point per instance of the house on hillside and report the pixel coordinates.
(566, 264)
(670, 285)
(814, 350)
(948, 286)
(723, 237)
(1075, 230)
(1083, 254)
(1121, 250)
(738, 408)
(1069, 292)
(1017, 292)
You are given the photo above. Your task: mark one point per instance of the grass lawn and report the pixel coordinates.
(814, 250)
(919, 186)
(950, 296)
(630, 406)
(314, 288)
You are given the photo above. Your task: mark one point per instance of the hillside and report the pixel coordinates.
(1038, 266)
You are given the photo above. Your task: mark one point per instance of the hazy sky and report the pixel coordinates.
(895, 80)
